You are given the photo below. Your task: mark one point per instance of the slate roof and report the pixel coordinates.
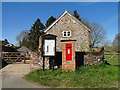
(24, 49)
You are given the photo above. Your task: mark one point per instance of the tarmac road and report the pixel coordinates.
(11, 76)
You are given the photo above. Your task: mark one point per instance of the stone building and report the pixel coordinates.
(69, 30)
(78, 31)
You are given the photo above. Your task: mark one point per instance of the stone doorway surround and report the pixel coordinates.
(68, 65)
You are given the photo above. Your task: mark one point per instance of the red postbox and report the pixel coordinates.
(68, 52)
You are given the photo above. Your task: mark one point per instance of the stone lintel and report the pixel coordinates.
(68, 39)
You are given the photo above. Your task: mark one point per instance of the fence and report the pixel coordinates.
(112, 58)
(13, 57)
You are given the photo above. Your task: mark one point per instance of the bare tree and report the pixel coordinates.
(107, 45)
(97, 35)
(116, 43)
(22, 35)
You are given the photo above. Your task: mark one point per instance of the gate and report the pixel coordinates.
(13, 57)
(112, 58)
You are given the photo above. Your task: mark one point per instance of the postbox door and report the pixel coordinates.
(68, 51)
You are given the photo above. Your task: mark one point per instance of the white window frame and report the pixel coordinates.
(66, 33)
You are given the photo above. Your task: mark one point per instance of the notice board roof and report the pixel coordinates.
(49, 36)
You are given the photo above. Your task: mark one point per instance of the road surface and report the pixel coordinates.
(11, 76)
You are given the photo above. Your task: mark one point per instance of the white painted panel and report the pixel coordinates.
(68, 51)
(49, 47)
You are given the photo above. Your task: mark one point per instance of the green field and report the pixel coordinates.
(101, 76)
(113, 61)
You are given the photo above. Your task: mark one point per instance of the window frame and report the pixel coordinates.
(66, 33)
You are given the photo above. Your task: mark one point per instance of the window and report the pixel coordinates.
(66, 33)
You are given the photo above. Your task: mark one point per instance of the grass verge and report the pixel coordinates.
(102, 76)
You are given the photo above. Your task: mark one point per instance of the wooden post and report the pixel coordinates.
(43, 63)
(53, 63)
(24, 58)
(90, 59)
(2, 55)
(97, 61)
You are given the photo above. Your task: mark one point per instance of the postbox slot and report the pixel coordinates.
(68, 47)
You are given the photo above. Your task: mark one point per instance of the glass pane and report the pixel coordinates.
(64, 33)
(68, 33)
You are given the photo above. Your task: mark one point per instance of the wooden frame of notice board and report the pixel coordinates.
(48, 47)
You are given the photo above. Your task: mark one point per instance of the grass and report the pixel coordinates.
(113, 61)
(102, 76)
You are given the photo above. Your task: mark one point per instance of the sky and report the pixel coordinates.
(19, 16)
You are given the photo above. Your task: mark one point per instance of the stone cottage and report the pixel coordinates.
(70, 32)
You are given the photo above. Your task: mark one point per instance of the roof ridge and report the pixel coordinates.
(64, 13)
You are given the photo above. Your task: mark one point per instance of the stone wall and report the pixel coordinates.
(36, 61)
(47, 65)
(77, 30)
(33, 61)
(95, 57)
(78, 59)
